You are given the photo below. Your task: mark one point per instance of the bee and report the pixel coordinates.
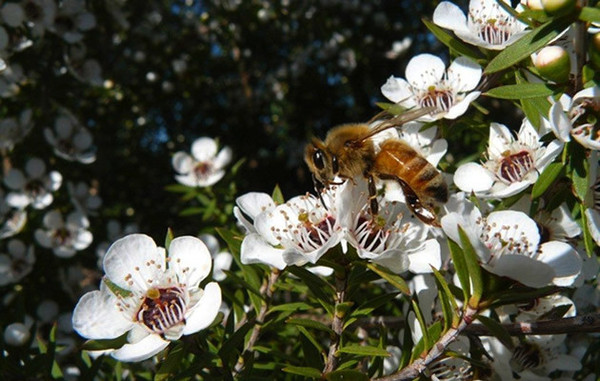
(350, 151)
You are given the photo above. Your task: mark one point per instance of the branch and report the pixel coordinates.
(337, 325)
(267, 290)
(576, 324)
(418, 366)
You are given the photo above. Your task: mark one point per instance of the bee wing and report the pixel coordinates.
(397, 120)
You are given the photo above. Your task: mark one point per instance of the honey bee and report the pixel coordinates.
(349, 151)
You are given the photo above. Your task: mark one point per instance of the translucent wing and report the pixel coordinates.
(396, 120)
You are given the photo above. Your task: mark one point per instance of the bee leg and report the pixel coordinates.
(373, 195)
(319, 187)
(423, 212)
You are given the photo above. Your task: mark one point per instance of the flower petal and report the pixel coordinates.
(472, 177)
(97, 317)
(427, 256)
(204, 312)
(450, 16)
(397, 90)
(523, 269)
(425, 70)
(464, 74)
(255, 249)
(563, 258)
(204, 149)
(134, 262)
(141, 350)
(190, 259)
(182, 162)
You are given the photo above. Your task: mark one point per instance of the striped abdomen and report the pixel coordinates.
(399, 161)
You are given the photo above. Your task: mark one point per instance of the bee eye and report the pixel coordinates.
(334, 164)
(318, 159)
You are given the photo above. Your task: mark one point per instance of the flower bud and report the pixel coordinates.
(16, 334)
(553, 63)
(558, 7)
(535, 5)
(594, 51)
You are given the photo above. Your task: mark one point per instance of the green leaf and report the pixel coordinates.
(421, 320)
(531, 42)
(588, 240)
(534, 108)
(433, 333)
(547, 178)
(364, 350)
(370, 305)
(393, 279)
(497, 330)
(451, 41)
(168, 367)
(178, 188)
(345, 375)
(320, 288)
(298, 306)
(578, 173)
(313, 355)
(516, 295)
(100, 345)
(303, 371)
(116, 289)
(460, 266)
(309, 323)
(590, 14)
(448, 297)
(168, 238)
(192, 211)
(277, 196)
(472, 260)
(230, 347)
(311, 338)
(522, 91)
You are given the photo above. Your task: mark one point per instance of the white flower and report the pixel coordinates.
(592, 201)
(65, 238)
(40, 15)
(511, 166)
(577, 117)
(16, 263)
(508, 244)
(487, 25)
(429, 84)
(294, 233)
(161, 300)
(204, 167)
(84, 198)
(17, 334)
(35, 188)
(12, 221)
(70, 140)
(249, 206)
(13, 131)
(72, 19)
(221, 259)
(385, 239)
(556, 225)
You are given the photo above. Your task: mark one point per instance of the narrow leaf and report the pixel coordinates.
(364, 350)
(100, 345)
(547, 178)
(394, 279)
(303, 371)
(451, 41)
(170, 364)
(277, 196)
(445, 290)
(472, 260)
(521, 91)
(369, 306)
(588, 240)
(421, 320)
(590, 14)
(309, 323)
(531, 42)
(460, 266)
(497, 330)
(168, 238)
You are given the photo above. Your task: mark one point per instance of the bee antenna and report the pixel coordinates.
(319, 188)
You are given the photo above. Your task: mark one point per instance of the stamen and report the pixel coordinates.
(514, 167)
(162, 309)
(443, 100)
(526, 356)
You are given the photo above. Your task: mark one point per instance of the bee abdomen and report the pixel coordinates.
(398, 159)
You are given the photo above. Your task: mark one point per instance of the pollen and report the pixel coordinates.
(515, 167)
(162, 309)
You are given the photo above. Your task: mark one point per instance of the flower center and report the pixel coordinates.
(162, 309)
(203, 169)
(514, 167)
(61, 236)
(505, 239)
(585, 118)
(434, 97)
(34, 187)
(371, 235)
(596, 195)
(311, 236)
(492, 25)
(526, 356)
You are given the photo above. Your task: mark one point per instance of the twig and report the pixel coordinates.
(337, 324)
(418, 366)
(267, 290)
(576, 324)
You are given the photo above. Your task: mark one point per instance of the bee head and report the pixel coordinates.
(323, 165)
